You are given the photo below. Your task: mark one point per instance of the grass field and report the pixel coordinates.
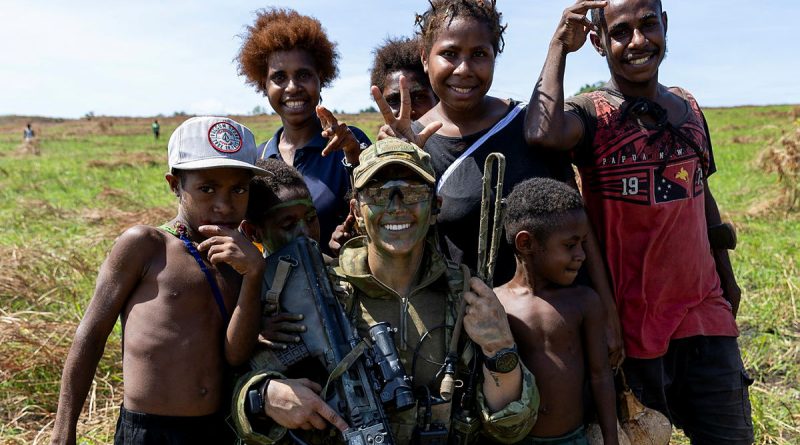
(61, 209)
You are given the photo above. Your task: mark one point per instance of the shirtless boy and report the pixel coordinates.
(181, 323)
(555, 322)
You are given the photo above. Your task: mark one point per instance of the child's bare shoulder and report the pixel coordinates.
(588, 296)
(138, 244)
(142, 237)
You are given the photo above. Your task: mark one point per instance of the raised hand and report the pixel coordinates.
(339, 136)
(229, 246)
(400, 126)
(575, 25)
(342, 233)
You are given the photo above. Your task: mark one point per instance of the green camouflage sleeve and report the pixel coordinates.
(512, 423)
(268, 435)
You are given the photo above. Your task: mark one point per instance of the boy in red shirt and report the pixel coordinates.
(644, 155)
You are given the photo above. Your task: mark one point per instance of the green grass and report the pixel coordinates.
(61, 210)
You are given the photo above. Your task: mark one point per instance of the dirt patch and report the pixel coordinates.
(34, 208)
(783, 158)
(744, 139)
(30, 147)
(112, 221)
(776, 114)
(137, 159)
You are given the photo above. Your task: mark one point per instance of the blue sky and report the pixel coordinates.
(148, 57)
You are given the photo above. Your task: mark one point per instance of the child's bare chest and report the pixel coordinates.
(178, 285)
(554, 328)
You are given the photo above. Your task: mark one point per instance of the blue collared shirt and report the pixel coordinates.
(326, 177)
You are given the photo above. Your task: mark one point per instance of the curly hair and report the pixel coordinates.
(394, 55)
(539, 205)
(283, 30)
(442, 12)
(265, 191)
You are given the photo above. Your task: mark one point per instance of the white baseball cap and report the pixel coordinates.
(212, 142)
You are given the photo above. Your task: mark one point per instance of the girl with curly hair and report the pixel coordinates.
(460, 42)
(288, 57)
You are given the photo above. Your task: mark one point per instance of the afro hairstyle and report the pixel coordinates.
(284, 30)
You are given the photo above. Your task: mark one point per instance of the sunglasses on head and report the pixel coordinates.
(383, 195)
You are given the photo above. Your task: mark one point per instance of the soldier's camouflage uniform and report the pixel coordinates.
(431, 305)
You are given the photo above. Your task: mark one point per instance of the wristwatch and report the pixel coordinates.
(254, 404)
(504, 361)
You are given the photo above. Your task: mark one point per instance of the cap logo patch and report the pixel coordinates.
(224, 137)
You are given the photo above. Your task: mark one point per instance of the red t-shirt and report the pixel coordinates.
(644, 193)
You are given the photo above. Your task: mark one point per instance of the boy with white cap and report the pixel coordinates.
(187, 294)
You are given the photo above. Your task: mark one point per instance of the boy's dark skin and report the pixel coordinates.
(631, 30)
(173, 340)
(557, 324)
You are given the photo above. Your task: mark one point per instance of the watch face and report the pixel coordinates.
(506, 362)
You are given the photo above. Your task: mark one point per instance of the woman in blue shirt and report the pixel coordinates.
(289, 58)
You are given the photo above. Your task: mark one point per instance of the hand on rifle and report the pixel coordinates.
(295, 403)
(281, 330)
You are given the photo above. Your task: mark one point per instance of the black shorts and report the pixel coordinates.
(701, 385)
(139, 428)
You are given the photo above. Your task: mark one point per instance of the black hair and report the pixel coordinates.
(594, 15)
(538, 205)
(397, 54)
(265, 191)
(442, 12)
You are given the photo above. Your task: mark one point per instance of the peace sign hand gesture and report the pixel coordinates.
(575, 25)
(400, 126)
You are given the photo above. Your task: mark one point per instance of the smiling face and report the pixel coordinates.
(561, 254)
(293, 86)
(422, 97)
(460, 63)
(636, 42)
(216, 196)
(399, 227)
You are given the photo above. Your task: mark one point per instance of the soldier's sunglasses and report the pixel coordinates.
(382, 196)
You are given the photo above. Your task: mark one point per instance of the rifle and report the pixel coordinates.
(364, 376)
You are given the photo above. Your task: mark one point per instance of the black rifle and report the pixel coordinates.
(361, 381)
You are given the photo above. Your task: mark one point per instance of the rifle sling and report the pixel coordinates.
(281, 274)
(345, 364)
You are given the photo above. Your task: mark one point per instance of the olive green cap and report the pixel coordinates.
(392, 151)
